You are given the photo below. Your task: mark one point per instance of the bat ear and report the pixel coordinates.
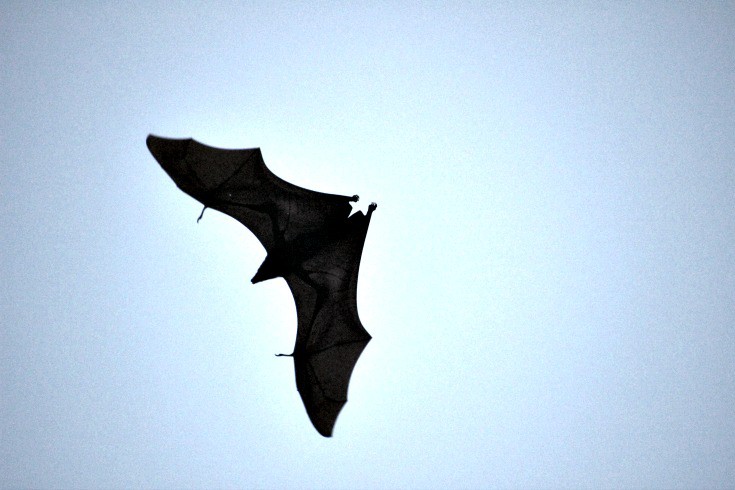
(269, 269)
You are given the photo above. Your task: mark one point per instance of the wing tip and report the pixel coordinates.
(324, 422)
(325, 433)
(150, 141)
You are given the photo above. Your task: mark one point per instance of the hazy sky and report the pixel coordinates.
(548, 278)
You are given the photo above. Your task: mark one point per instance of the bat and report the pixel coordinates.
(310, 240)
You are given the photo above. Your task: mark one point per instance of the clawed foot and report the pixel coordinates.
(355, 198)
(372, 206)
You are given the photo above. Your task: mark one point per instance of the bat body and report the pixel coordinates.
(310, 241)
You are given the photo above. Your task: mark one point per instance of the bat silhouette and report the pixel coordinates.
(310, 241)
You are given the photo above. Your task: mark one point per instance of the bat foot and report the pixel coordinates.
(355, 198)
(372, 206)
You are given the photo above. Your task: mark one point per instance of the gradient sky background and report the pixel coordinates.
(549, 276)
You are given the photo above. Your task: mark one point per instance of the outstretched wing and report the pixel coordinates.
(330, 336)
(238, 183)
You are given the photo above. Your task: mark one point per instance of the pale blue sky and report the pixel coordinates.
(548, 278)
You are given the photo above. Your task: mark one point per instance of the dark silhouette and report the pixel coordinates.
(310, 241)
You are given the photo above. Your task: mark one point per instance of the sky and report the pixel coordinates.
(548, 278)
